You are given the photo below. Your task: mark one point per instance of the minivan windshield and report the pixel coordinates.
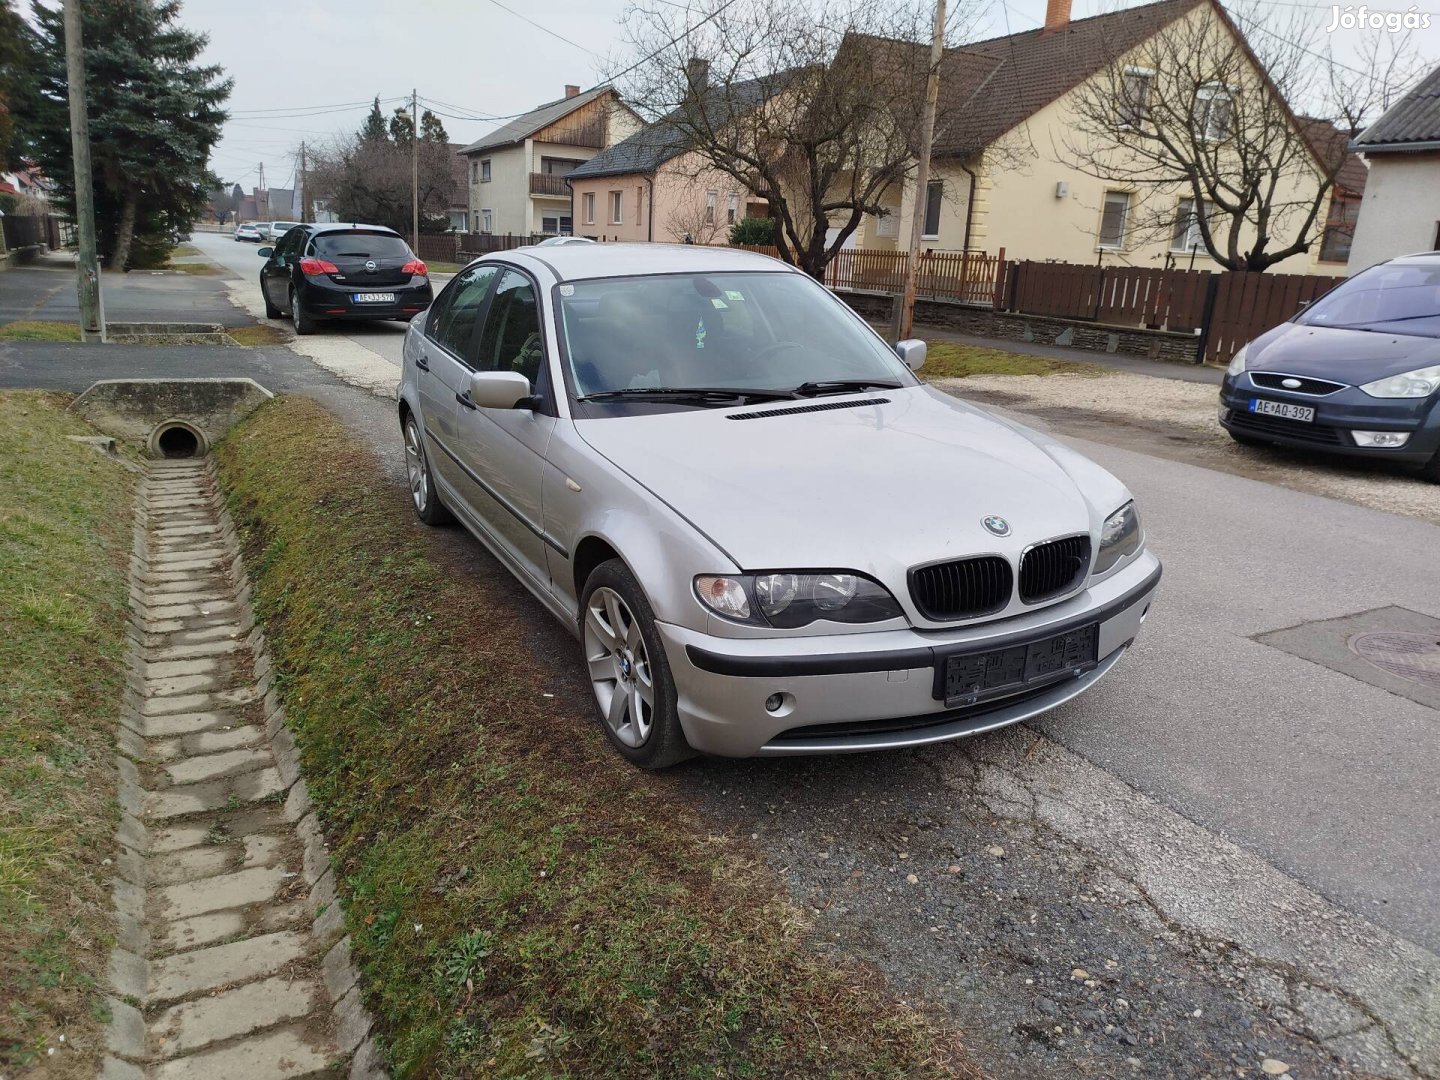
(1392, 298)
(361, 245)
(761, 331)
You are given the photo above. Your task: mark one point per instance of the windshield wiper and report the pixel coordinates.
(840, 386)
(696, 393)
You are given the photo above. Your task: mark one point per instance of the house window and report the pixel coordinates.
(733, 210)
(711, 199)
(1214, 112)
(934, 196)
(1134, 104)
(485, 171)
(1186, 234)
(551, 166)
(1339, 227)
(556, 224)
(588, 203)
(487, 222)
(887, 223)
(617, 206)
(1113, 220)
(474, 172)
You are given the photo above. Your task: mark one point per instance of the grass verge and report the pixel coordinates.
(64, 544)
(946, 360)
(521, 901)
(260, 334)
(40, 330)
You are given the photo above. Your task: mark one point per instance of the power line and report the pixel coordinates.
(689, 30)
(546, 29)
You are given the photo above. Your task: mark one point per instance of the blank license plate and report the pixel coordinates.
(1282, 409)
(374, 298)
(967, 678)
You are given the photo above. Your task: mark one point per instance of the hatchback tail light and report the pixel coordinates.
(312, 267)
(414, 266)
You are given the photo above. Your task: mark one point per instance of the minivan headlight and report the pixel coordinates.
(1412, 384)
(1237, 364)
(1119, 537)
(787, 599)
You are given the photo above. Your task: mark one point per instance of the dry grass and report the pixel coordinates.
(260, 334)
(64, 541)
(40, 330)
(946, 360)
(522, 902)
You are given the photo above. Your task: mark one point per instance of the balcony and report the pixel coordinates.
(548, 184)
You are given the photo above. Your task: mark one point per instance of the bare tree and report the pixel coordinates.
(817, 113)
(369, 180)
(1202, 123)
(692, 218)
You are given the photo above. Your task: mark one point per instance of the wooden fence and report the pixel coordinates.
(1120, 295)
(1247, 304)
(967, 277)
(455, 247)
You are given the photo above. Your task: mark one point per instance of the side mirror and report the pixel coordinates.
(264, 253)
(500, 390)
(911, 353)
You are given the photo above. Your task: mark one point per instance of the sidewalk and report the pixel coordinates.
(1160, 369)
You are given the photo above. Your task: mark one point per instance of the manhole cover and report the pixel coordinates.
(1408, 655)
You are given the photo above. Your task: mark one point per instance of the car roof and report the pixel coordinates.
(348, 226)
(568, 262)
(1417, 258)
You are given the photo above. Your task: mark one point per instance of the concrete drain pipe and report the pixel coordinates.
(170, 418)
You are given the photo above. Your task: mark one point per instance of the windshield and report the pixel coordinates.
(1392, 298)
(758, 331)
(361, 245)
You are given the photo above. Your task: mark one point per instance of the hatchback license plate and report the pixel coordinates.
(374, 298)
(975, 675)
(1282, 409)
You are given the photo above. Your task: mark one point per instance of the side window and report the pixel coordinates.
(452, 321)
(512, 329)
(293, 242)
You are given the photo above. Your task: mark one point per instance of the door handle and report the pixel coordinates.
(464, 399)
(421, 363)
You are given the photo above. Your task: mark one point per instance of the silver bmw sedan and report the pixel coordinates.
(767, 534)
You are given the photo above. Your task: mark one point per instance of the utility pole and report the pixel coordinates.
(922, 172)
(304, 188)
(92, 306)
(414, 171)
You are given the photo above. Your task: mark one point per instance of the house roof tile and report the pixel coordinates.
(542, 116)
(1411, 122)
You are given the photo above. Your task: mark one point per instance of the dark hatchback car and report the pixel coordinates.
(319, 272)
(1355, 373)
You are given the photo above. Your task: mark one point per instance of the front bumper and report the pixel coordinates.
(874, 691)
(1336, 415)
(330, 300)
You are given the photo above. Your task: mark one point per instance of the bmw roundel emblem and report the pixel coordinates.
(996, 524)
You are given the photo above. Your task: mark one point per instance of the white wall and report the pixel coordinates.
(1401, 209)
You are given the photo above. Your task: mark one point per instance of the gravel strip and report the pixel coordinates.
(1183, 415)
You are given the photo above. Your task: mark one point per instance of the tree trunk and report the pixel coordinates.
(126, 231)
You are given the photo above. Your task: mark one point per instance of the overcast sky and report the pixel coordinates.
(476, 57)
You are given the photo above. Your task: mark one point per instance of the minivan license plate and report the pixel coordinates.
(374, 298)
(975, 675)
(1282, 409)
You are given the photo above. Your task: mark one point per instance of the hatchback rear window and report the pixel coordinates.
(361, 245)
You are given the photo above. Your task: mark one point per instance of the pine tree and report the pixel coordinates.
(402, 129)
(431, 129)
(155, 115)
(15, 83)
(373, 130)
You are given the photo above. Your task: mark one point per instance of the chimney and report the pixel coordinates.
(1057, 15)
(571, 90)
(697, 74)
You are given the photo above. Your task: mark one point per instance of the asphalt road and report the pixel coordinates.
(46, 290)
(383, 339)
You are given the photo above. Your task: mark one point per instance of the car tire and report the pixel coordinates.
(625, 657)
(1431, 469)
(423, 496)
(304, 324)
(1246, 440)
(271, 311)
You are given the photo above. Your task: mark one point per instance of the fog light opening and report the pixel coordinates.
(177, 441)
(780, 703)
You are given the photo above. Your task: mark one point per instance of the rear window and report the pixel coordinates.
(361, 245)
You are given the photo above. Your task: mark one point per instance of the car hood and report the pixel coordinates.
(1347, 356)
(904, 479)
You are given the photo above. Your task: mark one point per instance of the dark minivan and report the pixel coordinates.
(1355, 373)
(319, 272)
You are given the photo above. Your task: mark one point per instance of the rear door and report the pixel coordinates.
(276, 274)
(367, 260)
(444, 358)
(504, 449)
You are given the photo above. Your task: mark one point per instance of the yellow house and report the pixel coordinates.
(1004, 173)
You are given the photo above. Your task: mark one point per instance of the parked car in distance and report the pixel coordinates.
(248, 231)
(769, 536)
(1356, 373)
(348, 272)
(559, 241)
(274, 230)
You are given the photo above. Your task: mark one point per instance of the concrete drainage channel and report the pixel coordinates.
(230, 961)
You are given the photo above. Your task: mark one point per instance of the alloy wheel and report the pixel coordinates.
(619, 663)
(415, 467)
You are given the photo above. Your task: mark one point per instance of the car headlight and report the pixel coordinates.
(1119, 537)
(785, 599)
(1237, 364)
(1412, 384)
